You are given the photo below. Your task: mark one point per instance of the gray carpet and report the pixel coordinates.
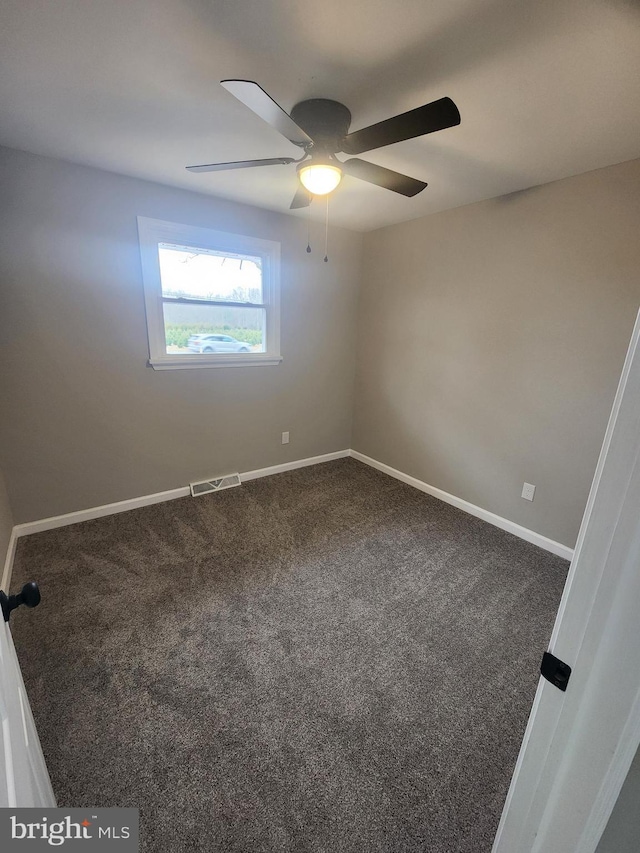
(324, 660)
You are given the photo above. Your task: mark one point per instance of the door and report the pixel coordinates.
(24, 780)
(579, 744)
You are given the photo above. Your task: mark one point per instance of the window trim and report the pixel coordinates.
(151, 232)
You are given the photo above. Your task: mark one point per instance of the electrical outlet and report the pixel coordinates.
(528, 491)
(285, 438)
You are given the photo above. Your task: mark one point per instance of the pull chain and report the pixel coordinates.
(326, 231)
(309, 227)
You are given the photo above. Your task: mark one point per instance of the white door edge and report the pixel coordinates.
(24, 780)
(550, 806)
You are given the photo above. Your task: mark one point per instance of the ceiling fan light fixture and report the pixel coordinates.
(321, 127)
(319, 178)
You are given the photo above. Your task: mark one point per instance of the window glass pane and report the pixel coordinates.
(205, 274)
(203, 329)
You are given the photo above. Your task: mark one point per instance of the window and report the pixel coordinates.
(212, 298)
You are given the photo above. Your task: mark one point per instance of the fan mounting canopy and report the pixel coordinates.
(327, 122)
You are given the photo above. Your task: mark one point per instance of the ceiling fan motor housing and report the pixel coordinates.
(327, 122)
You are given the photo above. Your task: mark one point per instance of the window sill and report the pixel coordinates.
(189, 362)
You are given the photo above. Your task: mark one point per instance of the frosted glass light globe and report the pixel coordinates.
(320, 178)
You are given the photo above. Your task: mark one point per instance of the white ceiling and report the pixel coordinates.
(546, 89)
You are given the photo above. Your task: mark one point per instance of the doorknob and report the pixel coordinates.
(29, 595)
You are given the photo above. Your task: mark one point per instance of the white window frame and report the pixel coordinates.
(151, 233)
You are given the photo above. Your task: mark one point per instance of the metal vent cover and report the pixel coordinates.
(204, 487)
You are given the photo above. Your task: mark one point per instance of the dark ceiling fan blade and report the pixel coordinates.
(302, 198)
(241, 164)
(431, 117)
(382, 177)
(254, 96)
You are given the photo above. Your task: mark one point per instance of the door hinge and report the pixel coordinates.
(555, 670)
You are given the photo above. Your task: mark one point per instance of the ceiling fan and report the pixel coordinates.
(321, 128)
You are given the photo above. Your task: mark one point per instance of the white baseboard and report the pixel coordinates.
(160, 497)
(54, 521)
(8, 563)
(472, 509)
(98, 511)
(291, 466)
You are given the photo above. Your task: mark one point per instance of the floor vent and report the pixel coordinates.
(207, 486)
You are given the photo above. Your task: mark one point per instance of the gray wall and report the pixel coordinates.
(622, 834)
(86, 421)
(6, 523)
(491, 341)
(491, 338)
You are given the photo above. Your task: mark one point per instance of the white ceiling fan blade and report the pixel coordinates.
(262, 104)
